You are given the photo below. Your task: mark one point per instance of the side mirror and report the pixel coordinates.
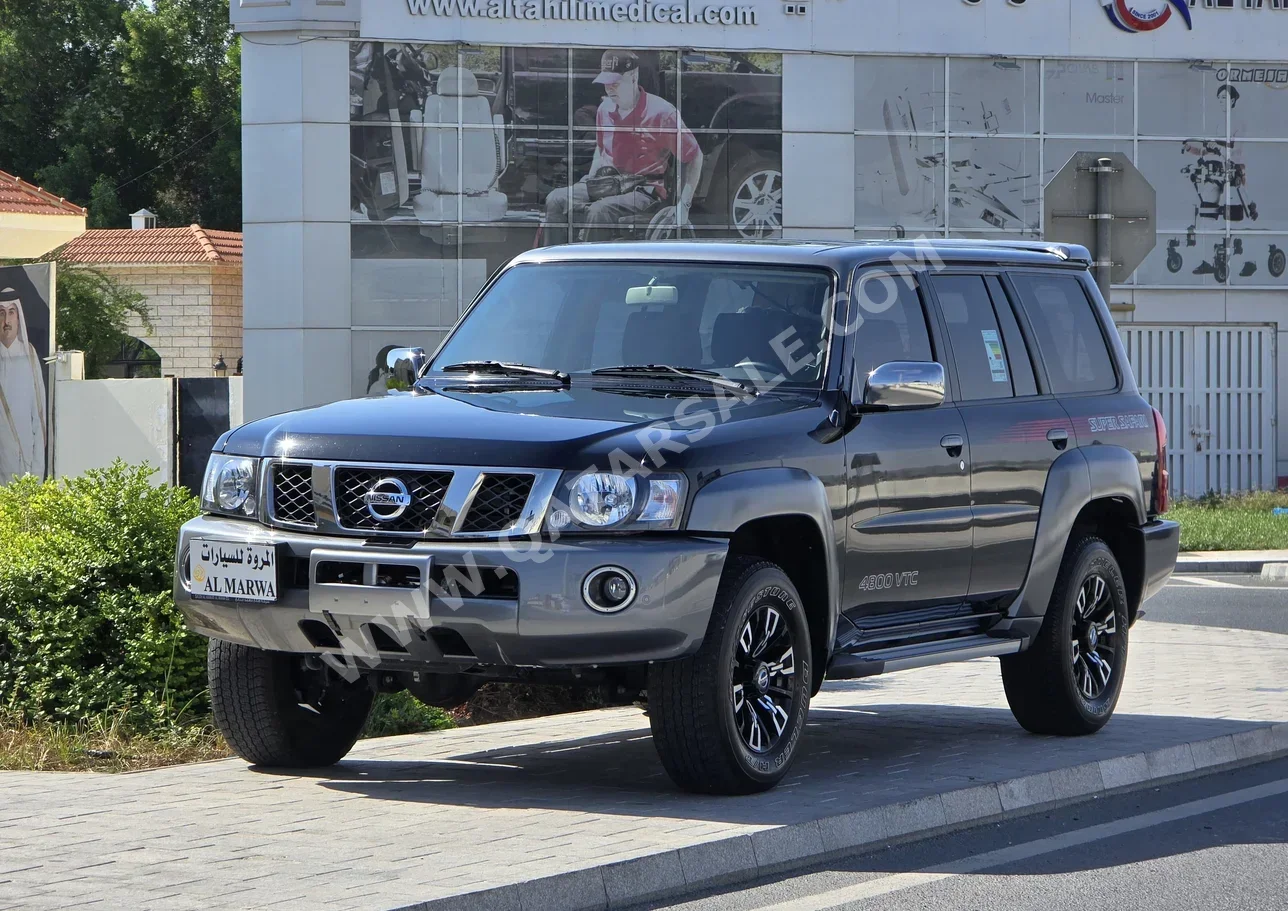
(900, 385)
(405, 365)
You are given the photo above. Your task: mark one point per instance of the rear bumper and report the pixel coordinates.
(544, 623)
(1161, 541)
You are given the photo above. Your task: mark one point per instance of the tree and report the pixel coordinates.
(122, 104)
(94, 312)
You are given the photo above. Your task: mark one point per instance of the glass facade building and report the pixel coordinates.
(468, 131)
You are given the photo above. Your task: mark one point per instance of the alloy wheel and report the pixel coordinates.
(757, 204)
(1094, 644)
(764, 681)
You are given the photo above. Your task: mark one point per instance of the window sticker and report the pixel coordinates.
(996, 359)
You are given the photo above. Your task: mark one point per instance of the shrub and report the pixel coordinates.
(401, 713)
(87, 620)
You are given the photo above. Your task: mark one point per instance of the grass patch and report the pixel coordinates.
(103, 743)
(114, 742)
(1236, 522)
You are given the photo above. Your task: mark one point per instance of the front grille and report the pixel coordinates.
(426, 488)
(293, 495)
(499, 502)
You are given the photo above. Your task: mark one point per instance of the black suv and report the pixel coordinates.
(711, 474)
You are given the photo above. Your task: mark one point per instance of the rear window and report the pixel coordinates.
(1068, 333)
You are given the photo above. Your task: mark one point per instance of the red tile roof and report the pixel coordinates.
(16, 195)
(193, 244)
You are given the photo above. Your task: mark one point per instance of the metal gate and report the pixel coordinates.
(1215, 387)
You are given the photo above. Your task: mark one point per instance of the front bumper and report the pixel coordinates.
(543, 622)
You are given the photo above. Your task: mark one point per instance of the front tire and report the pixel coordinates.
(1068, 681)
(728, 719)
(277, 711)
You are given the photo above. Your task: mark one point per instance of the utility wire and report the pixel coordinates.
(178, 153)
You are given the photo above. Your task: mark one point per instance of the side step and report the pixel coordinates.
(872, 630)
(846, 666)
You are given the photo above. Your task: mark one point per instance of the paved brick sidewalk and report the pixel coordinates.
(417, 818)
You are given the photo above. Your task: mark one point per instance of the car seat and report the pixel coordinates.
(661, 336)
(746, 335)
(459, 168)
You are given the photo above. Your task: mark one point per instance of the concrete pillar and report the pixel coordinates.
(295, 201)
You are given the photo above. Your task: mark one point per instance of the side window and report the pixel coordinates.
(1017, 354)
(891, 330)
(976, 337)
(1068, 333)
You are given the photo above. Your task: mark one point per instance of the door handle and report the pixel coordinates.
(1059, 437)
(953, 442)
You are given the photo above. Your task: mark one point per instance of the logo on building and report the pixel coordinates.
(1145, 15)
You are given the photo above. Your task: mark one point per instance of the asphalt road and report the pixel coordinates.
(1234, 601)
(1217, 842)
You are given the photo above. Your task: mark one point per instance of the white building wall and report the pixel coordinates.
(99, 421)
(295, 149)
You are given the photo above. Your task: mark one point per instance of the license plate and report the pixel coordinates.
(233, 571)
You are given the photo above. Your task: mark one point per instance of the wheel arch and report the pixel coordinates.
(781, 515)
(724, 155)
(1090, 490)
(1110, 519)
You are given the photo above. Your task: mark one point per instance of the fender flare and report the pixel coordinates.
(1075, 479)
(732, 500)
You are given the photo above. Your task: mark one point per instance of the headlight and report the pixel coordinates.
(230, 485)
(602, 500)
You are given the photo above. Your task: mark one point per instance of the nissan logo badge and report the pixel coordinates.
(387, 499)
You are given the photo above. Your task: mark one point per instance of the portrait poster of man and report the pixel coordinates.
(26, 337)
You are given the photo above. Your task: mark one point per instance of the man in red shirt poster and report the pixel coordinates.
(636, 136)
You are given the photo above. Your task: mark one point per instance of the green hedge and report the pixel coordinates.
(87, 620)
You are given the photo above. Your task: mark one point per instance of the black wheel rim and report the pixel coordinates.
(764, 678)
(1094, 645)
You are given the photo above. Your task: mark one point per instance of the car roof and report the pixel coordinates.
(839, 255)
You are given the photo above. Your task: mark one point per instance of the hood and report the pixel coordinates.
(534, 426)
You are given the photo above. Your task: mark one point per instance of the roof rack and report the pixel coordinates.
(1074, 252)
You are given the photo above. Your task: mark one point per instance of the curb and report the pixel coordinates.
(1220, 566)
(743, 858)
(1275, 572)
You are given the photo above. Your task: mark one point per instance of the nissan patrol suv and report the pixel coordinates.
(712, 474)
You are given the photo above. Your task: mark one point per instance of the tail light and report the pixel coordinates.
(1160, 472)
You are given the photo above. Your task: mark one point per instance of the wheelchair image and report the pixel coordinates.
(1211, 175)
(661, 224)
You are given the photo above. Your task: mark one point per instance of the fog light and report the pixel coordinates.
(609, 589)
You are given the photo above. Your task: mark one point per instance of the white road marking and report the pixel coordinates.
(1201, 582)
(1214, 583)
(898, 882)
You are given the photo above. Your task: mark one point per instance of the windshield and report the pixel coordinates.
(747, 323)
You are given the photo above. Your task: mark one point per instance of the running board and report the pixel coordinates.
(846, 666)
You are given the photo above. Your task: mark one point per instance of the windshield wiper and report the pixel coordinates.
(501, 368)
(668, 371)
